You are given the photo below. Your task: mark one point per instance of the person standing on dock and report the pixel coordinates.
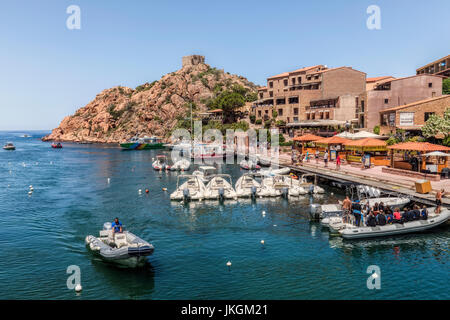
(338, 162)
(317, 156)
(325, 158)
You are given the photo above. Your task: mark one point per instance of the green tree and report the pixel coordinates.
(229, 102)
(437, 125)
(446, 86)
(376, 130)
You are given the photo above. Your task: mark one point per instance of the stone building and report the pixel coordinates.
(412, 116)
(392, 93)
(192, 60)
(440, 67)
(312, 93)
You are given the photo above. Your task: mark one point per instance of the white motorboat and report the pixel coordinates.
(181, 165)
(161, 163)
(125, 248)
(247, 187)
(434, 220)
(249, 165)
(189, 187)
(275, 172)
(264, 160)
(205, 173)
(220, 187)
(9, 146)
(275, 186)
(312, 187)
(325, 211)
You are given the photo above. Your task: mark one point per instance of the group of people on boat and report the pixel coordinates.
(379, 214)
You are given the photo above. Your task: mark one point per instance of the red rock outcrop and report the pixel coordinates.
(119, 113)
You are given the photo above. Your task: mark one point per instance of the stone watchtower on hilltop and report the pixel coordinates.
(192, 60)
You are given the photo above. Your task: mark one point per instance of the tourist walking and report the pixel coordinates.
(338, 162)
(325, 158)
(317, 156)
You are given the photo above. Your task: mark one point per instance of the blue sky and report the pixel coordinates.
(48, 71)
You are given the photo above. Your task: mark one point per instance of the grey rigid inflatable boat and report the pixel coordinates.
(125, 249)
(433, 221)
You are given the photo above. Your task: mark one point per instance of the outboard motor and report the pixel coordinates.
(186, 195)
(253, 190)
(314, 211)
(107, 226)
(285, 192)
(221, 194)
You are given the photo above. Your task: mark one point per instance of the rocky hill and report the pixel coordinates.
(120, 113)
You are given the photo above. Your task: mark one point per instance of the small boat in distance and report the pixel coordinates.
(161, 163)
(9, 146)
(144, 143)
(57, 145)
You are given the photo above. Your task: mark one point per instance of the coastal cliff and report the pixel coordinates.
(119, 113)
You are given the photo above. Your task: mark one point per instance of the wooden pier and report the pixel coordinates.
(386, 185)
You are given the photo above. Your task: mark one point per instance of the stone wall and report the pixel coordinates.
(192, 60)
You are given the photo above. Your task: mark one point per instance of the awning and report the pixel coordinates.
(316, 123)
(419, 146)
(437, 154)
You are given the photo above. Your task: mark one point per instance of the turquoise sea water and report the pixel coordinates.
(42, 234)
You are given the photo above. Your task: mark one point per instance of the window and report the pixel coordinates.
(308, 116)
(327, 115)
(271, 94)
(293, 100)
(280, 112)
(260, 95)
(293, 81)
(299, 79)
(285, 82)
(271, 84)
(281, 101)
(295, 111)
(266, 111)
(321, 115)
(427, 115)
(313, 116)
(430, 85)
(362, 105)
(259, 113)
(386, 101)
(295, 119)
(308, 78)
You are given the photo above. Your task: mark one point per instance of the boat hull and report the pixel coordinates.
(396, 228)
(141, 146)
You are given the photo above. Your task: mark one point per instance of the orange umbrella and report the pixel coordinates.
(332, 140)
(418, 146)
(307, 137)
